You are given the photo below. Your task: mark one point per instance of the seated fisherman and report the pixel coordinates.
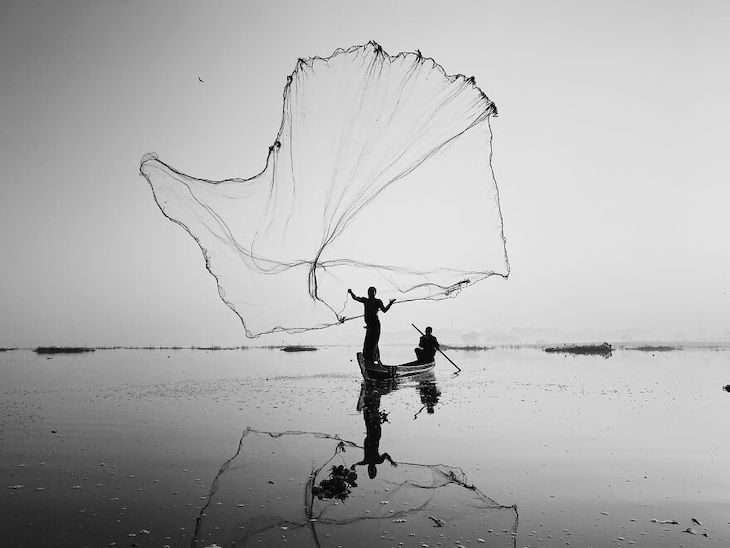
(427, 347)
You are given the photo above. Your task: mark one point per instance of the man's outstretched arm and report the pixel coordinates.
(386, 308)
(358, 299)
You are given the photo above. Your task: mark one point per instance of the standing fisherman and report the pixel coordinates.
(372, 324)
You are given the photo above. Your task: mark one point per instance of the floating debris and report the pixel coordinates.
(338, 486)
(438, 522)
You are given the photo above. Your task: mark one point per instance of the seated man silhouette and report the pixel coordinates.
(427, 347)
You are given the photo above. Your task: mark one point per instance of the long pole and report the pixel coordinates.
(444, 355)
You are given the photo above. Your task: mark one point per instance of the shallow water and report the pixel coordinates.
(123, 446)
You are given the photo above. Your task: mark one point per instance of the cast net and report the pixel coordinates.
(380, 174)
(307, 489)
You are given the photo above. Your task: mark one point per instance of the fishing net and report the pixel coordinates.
(307, 489)
(380, 174)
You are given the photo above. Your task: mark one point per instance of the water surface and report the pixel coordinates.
(122, 447)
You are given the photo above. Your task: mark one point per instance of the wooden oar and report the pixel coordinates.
(444, 355)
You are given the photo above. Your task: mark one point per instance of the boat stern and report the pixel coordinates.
(361, 363)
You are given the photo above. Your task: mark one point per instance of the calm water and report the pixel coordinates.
(122, 448)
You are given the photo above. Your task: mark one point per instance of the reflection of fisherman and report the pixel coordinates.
(427, 347)
(430, 395)
(371, 446)
(372, 324)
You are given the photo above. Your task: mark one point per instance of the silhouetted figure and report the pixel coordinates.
(427, 347)
(373, 421)
(430, 394)
(372, 324)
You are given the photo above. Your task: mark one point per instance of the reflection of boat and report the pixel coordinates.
(425, 384)
(372, 370)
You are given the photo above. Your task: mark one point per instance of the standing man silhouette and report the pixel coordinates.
(372, 323)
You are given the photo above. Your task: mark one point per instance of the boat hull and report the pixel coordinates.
(372, 371)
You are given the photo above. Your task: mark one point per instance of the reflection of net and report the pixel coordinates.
(346, 198)
(264, 493)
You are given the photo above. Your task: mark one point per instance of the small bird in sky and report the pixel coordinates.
(201, 80)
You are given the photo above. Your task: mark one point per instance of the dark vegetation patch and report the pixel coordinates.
(298, 348)
(657, 348)
(63, 349)
(216, 347)
(604, 349)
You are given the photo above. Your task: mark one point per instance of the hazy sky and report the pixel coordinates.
(610, 152)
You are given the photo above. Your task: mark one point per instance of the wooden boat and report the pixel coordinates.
(373, 371)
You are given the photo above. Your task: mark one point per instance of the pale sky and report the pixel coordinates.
(610, 152)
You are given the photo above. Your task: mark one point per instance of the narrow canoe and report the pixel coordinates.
(372, 371)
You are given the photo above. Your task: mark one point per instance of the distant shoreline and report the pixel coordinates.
(638, 346)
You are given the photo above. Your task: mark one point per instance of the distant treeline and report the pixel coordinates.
(597, 349)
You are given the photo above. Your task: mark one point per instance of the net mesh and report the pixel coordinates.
(380, 174)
